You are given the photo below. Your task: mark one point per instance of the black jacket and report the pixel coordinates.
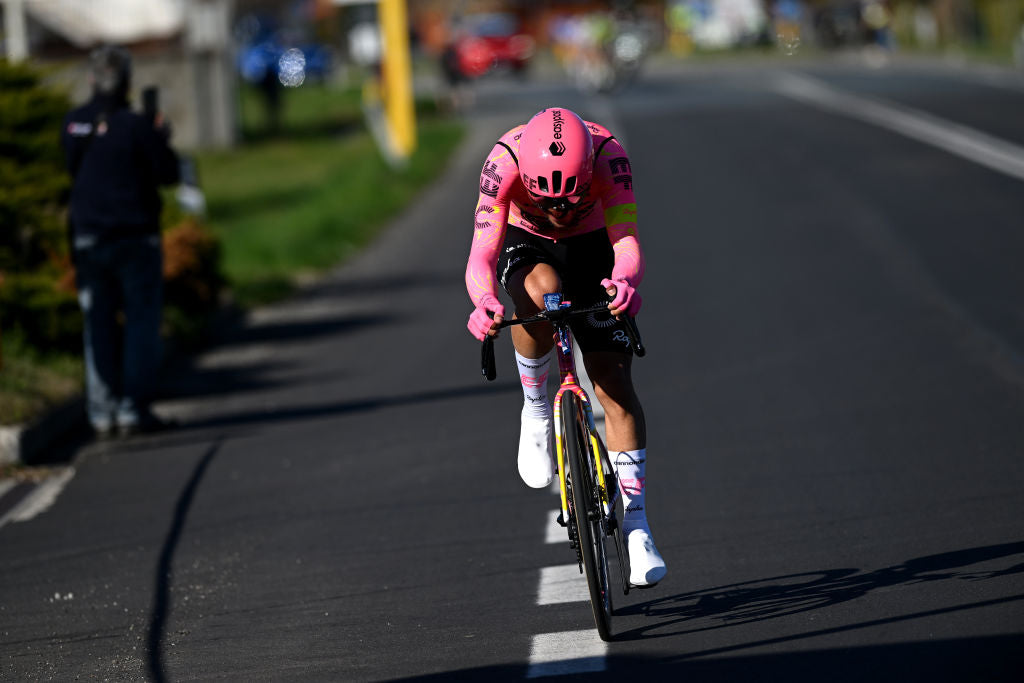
(117, 160)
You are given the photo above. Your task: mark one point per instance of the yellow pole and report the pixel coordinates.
(397, 76)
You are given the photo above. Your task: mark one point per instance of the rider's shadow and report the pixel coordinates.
(753, 601)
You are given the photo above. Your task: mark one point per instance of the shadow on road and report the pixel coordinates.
(754, 601)
(996, 659)
(305, 330)
(248, 423)
(184, 378)
(356, 405)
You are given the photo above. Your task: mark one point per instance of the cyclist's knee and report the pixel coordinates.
(530, 285)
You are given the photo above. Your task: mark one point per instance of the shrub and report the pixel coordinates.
(35, 299)
(192, 280)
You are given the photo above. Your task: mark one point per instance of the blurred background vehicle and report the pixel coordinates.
(490, 42)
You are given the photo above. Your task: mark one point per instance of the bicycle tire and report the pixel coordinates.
(587, 513)
(614, 529)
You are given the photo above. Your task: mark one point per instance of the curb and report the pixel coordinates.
(25, 444)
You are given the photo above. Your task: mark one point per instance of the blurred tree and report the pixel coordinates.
(37, 299)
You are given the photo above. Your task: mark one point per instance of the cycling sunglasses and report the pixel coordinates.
(558, 204)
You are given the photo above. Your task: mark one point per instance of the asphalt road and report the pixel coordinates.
(834, 312)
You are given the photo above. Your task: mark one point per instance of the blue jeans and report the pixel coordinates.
(121, 361)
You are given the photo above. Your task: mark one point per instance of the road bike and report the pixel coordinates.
(589, 492)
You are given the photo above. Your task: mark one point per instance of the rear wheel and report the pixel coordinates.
(587, 512)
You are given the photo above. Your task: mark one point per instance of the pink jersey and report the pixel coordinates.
(504, 201)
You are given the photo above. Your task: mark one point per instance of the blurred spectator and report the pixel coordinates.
(117, 158)
(258, 64)
(787, 16)
(270, 87)
(680, 18)
(458, 93)
(876, 17)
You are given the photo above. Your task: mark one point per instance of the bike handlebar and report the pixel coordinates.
(558, 316)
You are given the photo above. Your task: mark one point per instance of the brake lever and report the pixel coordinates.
(487, 366)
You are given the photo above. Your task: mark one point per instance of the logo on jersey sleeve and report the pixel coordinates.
(490, 181)
(621, 172)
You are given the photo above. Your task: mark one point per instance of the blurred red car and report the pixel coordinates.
(489, 42)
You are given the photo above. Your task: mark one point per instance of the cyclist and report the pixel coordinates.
(556, 213)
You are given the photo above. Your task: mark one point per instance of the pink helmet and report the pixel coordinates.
(556, 154)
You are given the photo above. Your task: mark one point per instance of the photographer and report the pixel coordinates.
(117, 158)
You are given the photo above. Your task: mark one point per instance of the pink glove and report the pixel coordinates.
(627, 299)
(480, 320)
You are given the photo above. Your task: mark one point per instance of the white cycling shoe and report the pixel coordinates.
(536, 466)
(646, 566)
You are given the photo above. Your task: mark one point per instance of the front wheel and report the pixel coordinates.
(587, 511)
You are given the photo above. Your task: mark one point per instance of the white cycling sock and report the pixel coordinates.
(630, 467)
(533, 374)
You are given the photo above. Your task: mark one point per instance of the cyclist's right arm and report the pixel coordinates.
(497, 177)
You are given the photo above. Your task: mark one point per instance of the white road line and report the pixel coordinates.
(5, 486)
(41, 498)
(563, 583)
(568, 652)
(963, 141)
(555, 532)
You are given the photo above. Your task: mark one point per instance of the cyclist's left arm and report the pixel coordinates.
(615, 175)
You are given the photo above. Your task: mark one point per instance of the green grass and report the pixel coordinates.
(287, 206)
(310, 111)
(31, 382)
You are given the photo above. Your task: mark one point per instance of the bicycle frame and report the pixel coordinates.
(588, 525)
(557, 313)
